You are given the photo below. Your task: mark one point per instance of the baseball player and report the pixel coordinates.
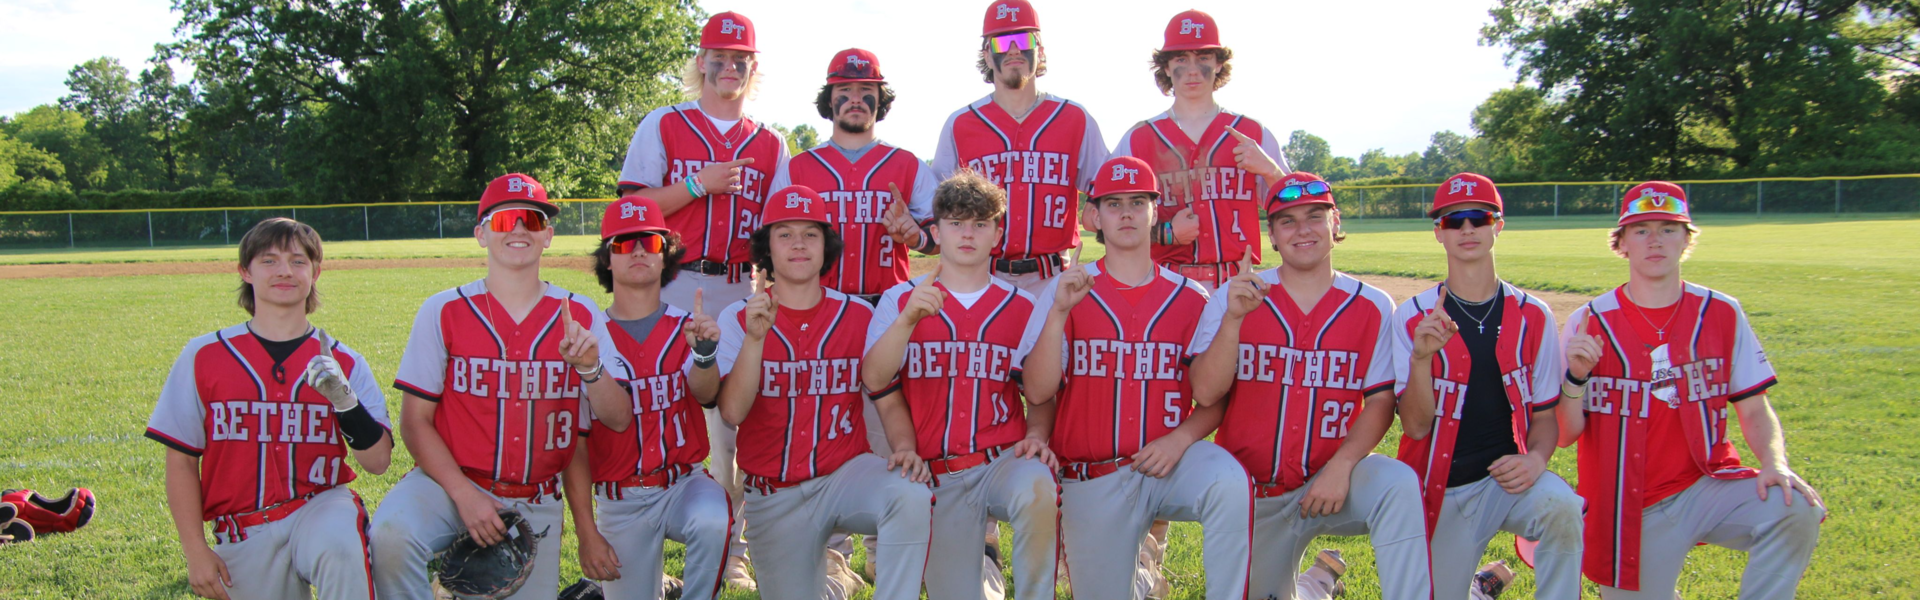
(1129, 439)
(1212, 163)
(1652, 368)
(1476, 367)
(709, 165)
(790, 356)
(945, 353)
(648, 481)
(1041, 148)
(495, 384)
(861, 178)
(1302, 357)
(258, 419)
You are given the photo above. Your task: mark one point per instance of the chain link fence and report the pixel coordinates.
(206, 227)
(1837, 195)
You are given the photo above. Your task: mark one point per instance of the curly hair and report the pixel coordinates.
(969, 195)
(762, 249)
(1039, 59)
(1163, 58)
(669, 266)
(824, 102)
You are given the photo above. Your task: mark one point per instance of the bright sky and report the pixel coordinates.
(1364, 74)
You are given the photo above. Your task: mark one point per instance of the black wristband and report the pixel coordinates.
(358, 428)
(705, 347)
(1578, 381)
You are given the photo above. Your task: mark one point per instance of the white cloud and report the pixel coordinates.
(1379, 74)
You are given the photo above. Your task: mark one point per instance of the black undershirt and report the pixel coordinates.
(1486, 422)
(281, 351)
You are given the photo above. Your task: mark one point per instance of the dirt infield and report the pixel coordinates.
(1399, 287)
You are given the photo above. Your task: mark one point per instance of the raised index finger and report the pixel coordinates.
(740, 162)
(1241, 136)
(699, 295)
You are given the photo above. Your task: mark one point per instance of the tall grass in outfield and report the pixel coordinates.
(1833, 300)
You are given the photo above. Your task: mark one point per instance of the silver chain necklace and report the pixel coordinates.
(1479, 322)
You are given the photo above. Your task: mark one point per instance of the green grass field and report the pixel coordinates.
(81, 360)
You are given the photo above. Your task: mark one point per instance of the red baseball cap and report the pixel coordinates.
(632, 214)
(1654, 201)
(1462, 189)
(728, 31)
(1124, 175)
(793, 203)
(1191, 30)
(1008, 16)
(1276, 203)
(516, 187)
(854, 65)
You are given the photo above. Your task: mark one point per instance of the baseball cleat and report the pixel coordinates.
(52, 515)
(840, 575)
(1493, 578)
(15, 531)
(671, 587)
(584, 589)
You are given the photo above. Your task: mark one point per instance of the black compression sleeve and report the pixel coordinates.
(358, 428)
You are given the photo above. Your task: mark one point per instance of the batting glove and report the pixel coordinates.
(324, 375)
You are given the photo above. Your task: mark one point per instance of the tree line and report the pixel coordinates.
(385, 101)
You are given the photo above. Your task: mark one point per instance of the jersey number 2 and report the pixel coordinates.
(1053, 211)
(1334, 424)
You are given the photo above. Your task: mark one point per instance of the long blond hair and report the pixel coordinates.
(693, 78)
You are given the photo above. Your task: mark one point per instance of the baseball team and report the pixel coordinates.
(769, 377)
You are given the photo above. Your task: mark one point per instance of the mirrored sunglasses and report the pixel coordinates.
(1460, 218)
(652, 243)
(1301, 190)
(1020, 40)
(1656, 203)
(503, 220)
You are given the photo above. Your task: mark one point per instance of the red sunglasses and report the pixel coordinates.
(653, 243)
(503, 220)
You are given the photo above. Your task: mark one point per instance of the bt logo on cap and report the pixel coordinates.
(516, 184)
(1005, 11)
(856, 61)
(1121, 170)
(628, 211)
(1188, 26)
(795, 200)
(1458, 183)
(727, 26)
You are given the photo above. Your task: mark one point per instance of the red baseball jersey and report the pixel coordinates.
(806, 420)
(1301, 377)
(857, 198)
(1709, 358)
(1528, 349)
(1123, 376)
(674, 142)
(961, 369)
(263, 436)
(509, 405)
(1203, 175)
(1044, 161)
(668, 426)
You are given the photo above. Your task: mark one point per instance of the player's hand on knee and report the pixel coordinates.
(598, 561)
(207, 574)
(1433, 333)
(911, 466)
(1158, 457)
(1037, 449)
(481, 514)
(1327, 493)
(325, 376)
(1517, 473)
(1788, 481)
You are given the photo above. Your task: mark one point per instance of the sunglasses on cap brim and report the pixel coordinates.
(1019, 40)
(1656, 204)
(504, 220)
(652, 243)
(1301, 190)
(1460, 218)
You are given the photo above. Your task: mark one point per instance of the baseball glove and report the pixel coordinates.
(471, 572)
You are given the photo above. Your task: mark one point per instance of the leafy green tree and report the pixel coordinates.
(24, 168)
(1446, 155)
(63, 134)
(101, 91)
(1307, 152)
(388, 100)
